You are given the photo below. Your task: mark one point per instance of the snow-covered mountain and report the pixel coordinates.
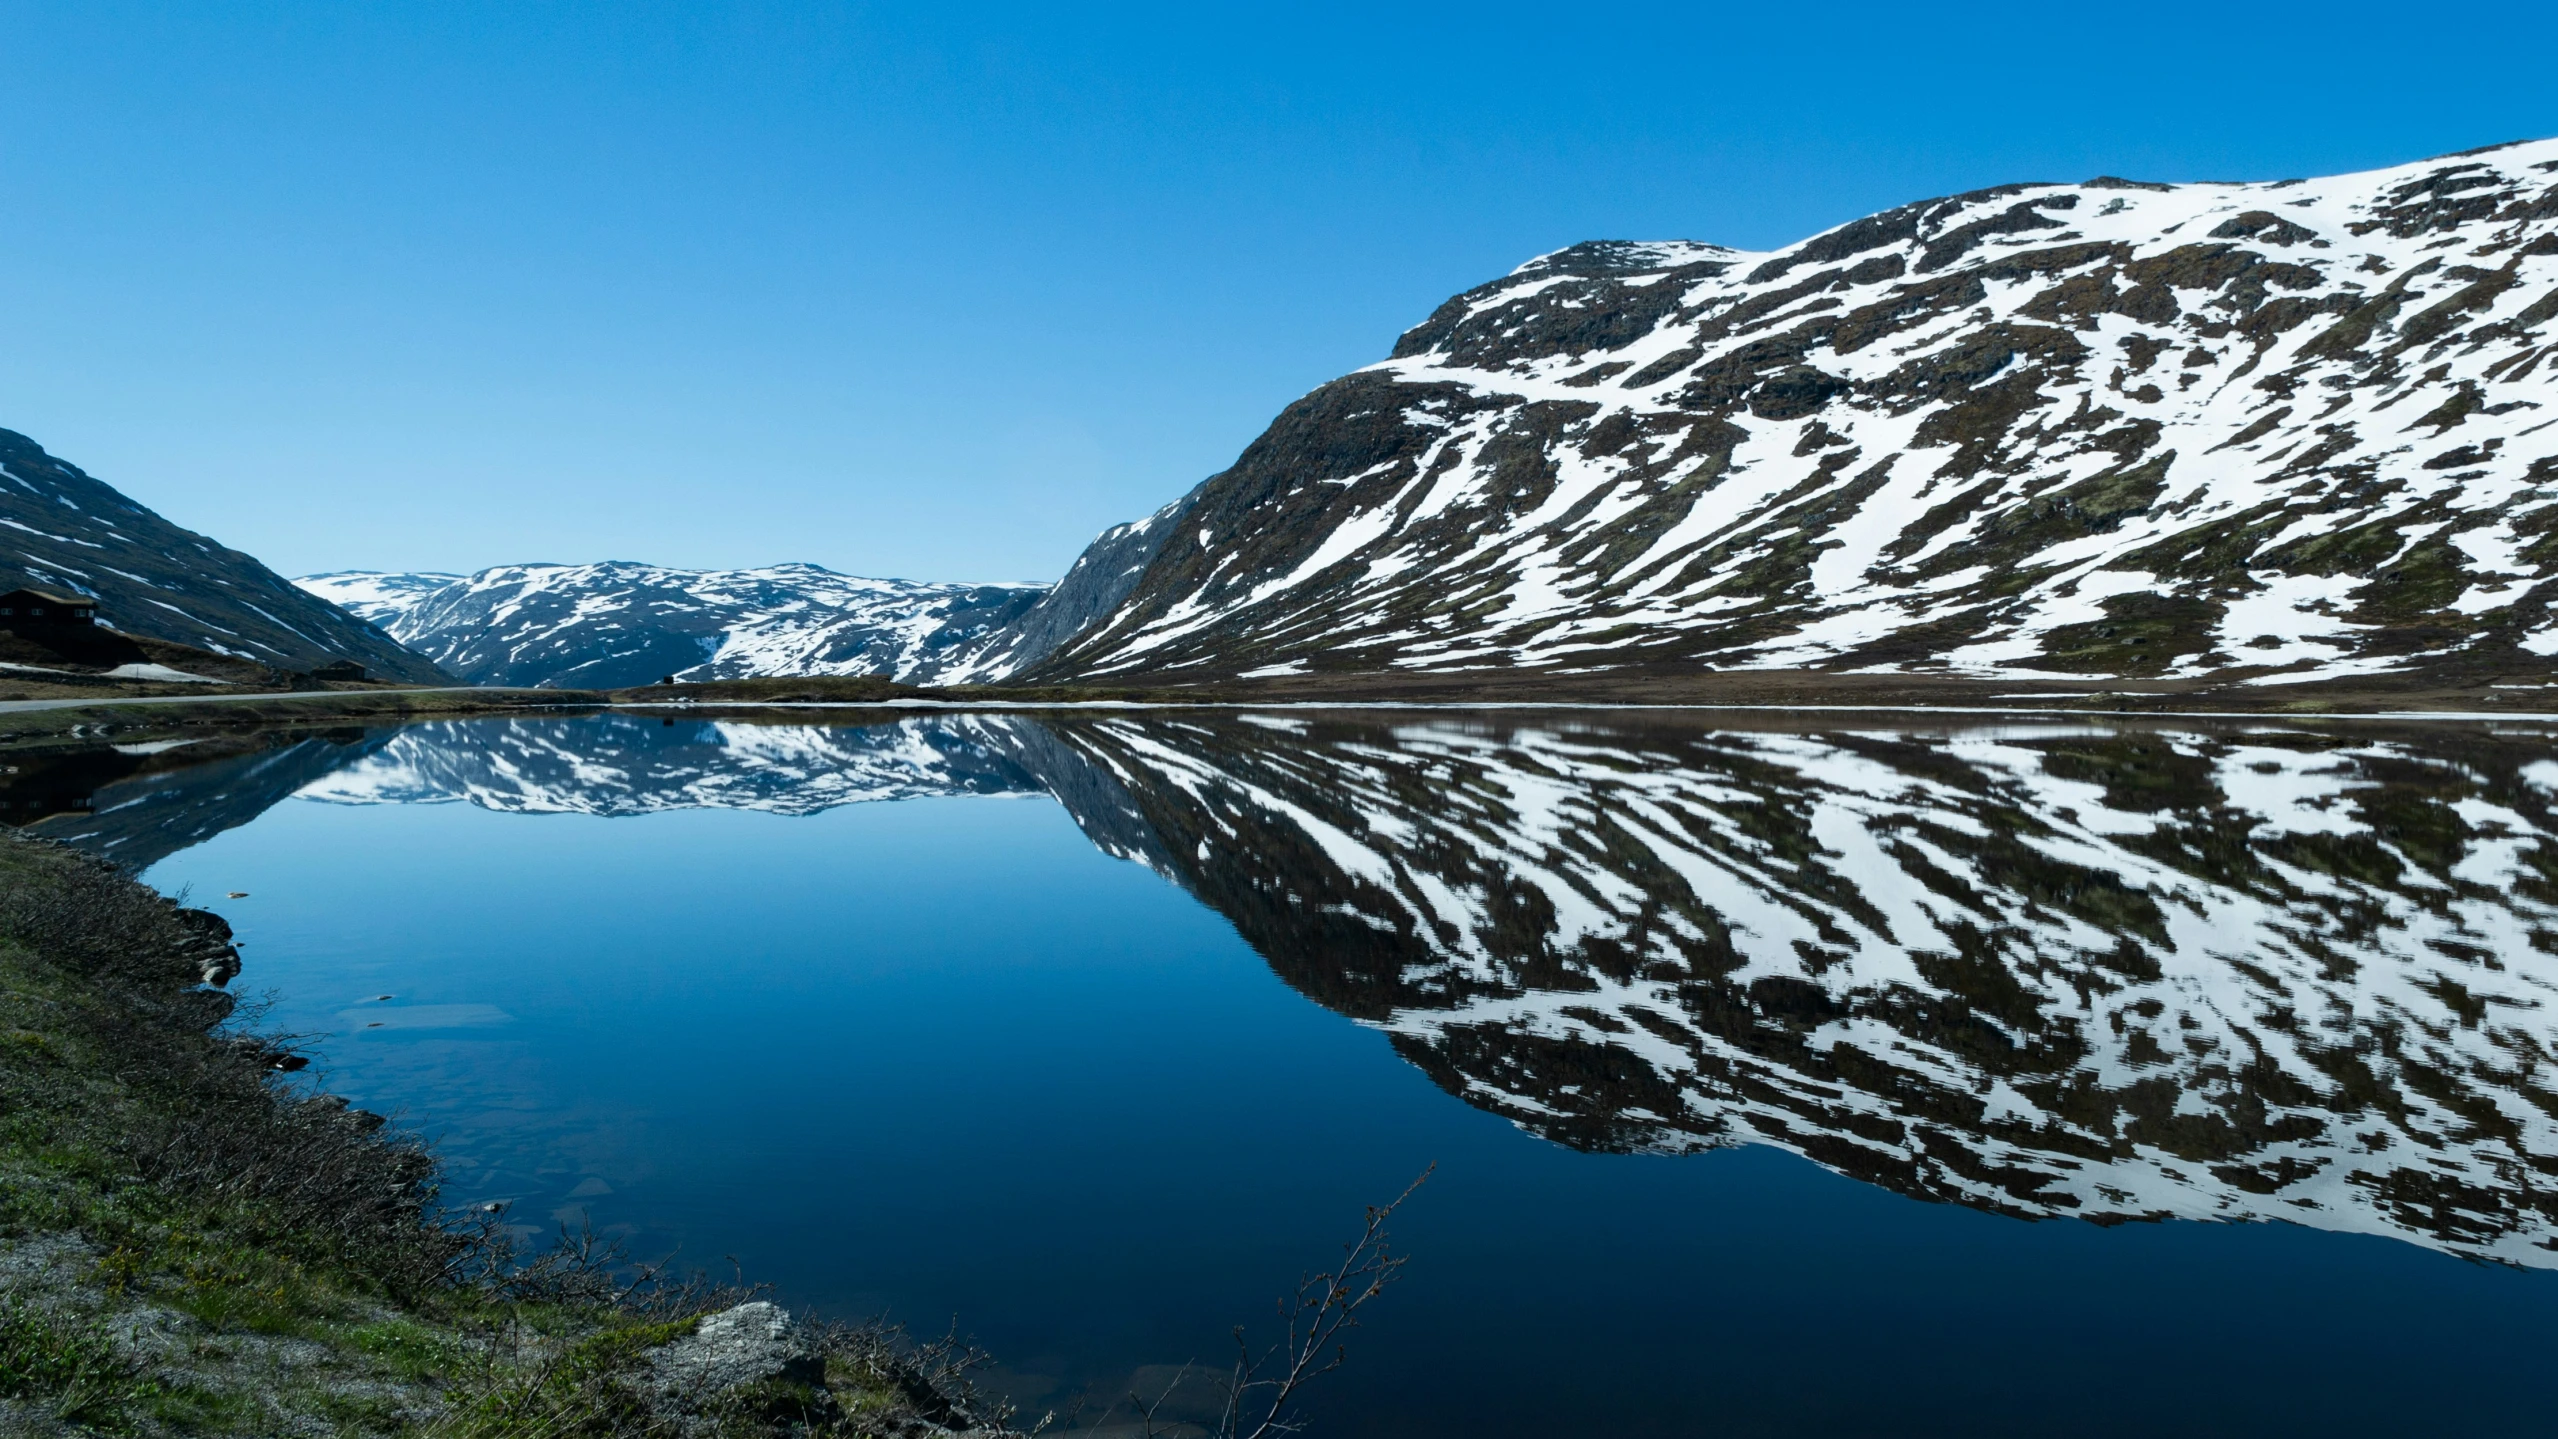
(2251, 432)
(614, 624)
(61, 529)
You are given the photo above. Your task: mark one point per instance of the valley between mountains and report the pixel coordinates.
(2116, 446)
(2267, 439)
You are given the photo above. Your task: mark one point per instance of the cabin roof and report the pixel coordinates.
(50, 598)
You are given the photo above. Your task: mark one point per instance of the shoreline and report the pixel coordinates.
(53, 726)
(53, 719)
(190, 1243)
(167, 714)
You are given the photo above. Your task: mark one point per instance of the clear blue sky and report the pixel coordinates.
(938, 290)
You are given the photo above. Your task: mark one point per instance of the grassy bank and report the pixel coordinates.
(192, 1242)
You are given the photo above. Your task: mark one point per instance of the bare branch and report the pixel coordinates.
(1262, 1391)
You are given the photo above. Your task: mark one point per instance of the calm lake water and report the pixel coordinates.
(1839, 1079)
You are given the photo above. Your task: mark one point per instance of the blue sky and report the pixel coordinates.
(939, 291)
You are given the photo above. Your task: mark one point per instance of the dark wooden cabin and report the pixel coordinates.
(43, 609)
(52, 631)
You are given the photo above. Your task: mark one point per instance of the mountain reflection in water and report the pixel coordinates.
(2113, 972)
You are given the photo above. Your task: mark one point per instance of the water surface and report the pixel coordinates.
(1809, 1080)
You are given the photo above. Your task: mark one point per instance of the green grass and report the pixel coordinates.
(73, 1365)
(409, 1349)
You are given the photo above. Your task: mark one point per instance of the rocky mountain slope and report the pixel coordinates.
(62, 530)
(1098, 583)
(615, 624)
(2244, 432)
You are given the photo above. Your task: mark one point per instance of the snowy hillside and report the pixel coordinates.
(376, 599)
(63, 530)
(2251, 432)
(613, 624)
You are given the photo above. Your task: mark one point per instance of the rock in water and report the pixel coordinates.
(209, 945)
(745, 1345)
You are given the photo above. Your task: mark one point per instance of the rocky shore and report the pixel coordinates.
(194, 1242)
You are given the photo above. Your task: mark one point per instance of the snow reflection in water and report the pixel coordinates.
(2246, 972)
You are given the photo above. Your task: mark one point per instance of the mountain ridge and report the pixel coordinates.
(2255, 433)
(620, 623)
(64, 529)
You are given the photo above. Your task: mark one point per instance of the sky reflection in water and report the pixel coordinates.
(957, 1056)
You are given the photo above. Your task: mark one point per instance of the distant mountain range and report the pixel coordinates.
(2240, 432)
(62, 530)
(607, 625)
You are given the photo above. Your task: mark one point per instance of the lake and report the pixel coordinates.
(1841, 1075)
